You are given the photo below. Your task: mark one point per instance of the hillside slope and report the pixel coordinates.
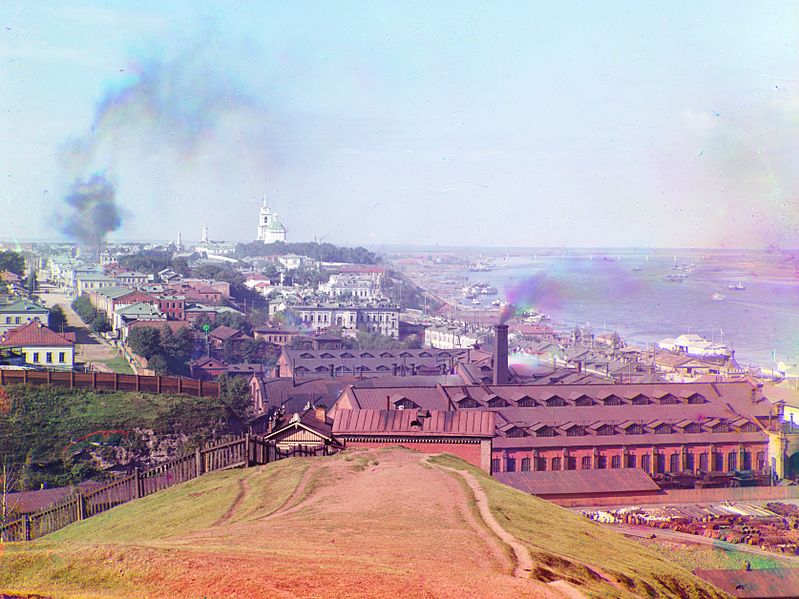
(381, 523)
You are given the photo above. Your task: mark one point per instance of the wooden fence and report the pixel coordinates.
(111, 381)
(241, 452)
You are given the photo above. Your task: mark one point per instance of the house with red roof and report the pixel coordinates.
(42, 346)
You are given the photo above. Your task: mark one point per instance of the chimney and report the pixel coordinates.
(500, 354)
(320, 413)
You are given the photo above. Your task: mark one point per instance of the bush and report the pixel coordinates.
(84, 309)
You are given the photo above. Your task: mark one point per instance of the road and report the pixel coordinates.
(91, 349)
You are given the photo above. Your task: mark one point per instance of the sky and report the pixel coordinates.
(580, 124)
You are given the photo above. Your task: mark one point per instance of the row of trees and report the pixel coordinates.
(12, 261)
(323, 252)
(153, 261)
(96, 319)
(166, 352)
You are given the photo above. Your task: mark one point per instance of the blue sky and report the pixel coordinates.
(452, 123)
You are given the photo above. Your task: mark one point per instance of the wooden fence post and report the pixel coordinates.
(2, 377)
(116, 381)
(136, 483)
(138, 382)
(26, 527)
(158, 384)
(49, 377)
(246, 450)
(71, 379)
(198, 461)
(180, 385)
(81, 506)
(94, 379)
(25, 376)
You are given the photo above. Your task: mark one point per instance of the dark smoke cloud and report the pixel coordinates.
(94, 211)
(159, 107)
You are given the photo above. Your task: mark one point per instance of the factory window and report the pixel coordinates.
(635, 429)
(526, 402)
(747, 460)
(497, 402)
(612, 400)
(718, 462)
(693, 428)
(583, 401)
(405, 404)
(575, 431)
(510, 465)
(556, 464)
(749, 427)
(703, 465)
(721, 428)
(615, 461)
(640, 400)
(695, 399)
(631, 461)
(571, 463)
(516, 432)
(545, 431)
(555, 402)
(495, 465)
(660, 463)
(601, 462)
(732, 461)
(645, 462)
(605, 429)
(674, 462)
(663, 429)
(525, 464)
(761, 460)
(585, 462)
(668, 399)
(468, 403)
(689, 462)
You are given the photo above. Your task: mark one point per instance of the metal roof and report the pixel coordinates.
(580, 482)
(414, 422)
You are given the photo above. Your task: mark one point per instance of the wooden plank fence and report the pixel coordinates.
(240, 452)
(111, 381)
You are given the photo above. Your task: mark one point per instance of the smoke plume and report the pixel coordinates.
(94, 210)
(157, 118)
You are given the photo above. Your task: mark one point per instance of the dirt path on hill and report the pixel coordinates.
(295, 500)
(244, 491)
(524, 564)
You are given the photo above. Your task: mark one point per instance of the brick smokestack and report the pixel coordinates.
(500, 354)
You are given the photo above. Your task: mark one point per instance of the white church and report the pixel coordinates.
(270, 229)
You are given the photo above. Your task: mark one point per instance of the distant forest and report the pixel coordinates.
(324, 252)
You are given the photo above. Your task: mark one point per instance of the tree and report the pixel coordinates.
(145, 341)
(177, 347)
(234, 393)
(12, 262)
(83, 308)
(58, 320)
(100, 323)
(158, 364)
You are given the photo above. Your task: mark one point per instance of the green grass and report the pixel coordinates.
(91, 555)
(692, 557)
(120, 365)
(569, 547)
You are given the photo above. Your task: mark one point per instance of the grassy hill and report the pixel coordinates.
(378, 523)
(38, 423)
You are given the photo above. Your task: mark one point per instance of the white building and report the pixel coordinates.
(354, 286)
(449, 337)
(270, 229)
(694, 345)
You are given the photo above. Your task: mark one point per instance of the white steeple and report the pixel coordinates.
(270, 228)
(204, 238)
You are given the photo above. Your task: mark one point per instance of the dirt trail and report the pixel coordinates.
(524, 564)
(295, 501)
(244, 491)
